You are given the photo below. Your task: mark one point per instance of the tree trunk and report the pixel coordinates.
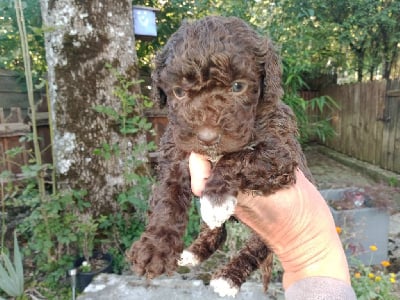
(360, 64)
(84, 36)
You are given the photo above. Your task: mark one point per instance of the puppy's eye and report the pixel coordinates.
(179, 92)
(238, 86)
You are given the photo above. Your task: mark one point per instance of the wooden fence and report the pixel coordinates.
(15, 123)
(368, 122)
(14, 126)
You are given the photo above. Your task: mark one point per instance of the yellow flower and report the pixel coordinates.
(385, 263)
(373, 248)
(392, 279)
(371, 275)
(357, 275)
(393, 275)
(339, 229)
(378, 278)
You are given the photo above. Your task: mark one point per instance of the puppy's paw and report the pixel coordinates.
(224, 287)
(153, 255)
(188, 259)
(215, 215)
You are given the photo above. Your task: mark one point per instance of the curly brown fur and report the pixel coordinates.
(222, 84)
(208, 241)
(249, 259)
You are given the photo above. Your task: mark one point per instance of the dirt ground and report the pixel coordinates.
(330, 173)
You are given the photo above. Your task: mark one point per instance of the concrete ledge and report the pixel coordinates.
(363, 227)
(124, 287)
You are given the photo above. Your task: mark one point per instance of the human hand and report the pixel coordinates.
(294, 221)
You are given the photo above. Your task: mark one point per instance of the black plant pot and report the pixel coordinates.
(83, 279)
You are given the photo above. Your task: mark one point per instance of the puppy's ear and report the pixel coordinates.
(158, 95)
(272, 89)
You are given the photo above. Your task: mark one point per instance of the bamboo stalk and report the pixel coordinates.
(28, 76)
(51, 131)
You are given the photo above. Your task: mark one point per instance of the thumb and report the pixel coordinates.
(200, 170)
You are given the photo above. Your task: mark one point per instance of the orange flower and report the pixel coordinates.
(373, 248)
(339, 229)
(385, 263)
(357, 275)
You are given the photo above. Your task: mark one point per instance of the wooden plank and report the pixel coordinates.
(362, 126)
(13, 129)
(13, 163)
(385, 135)
(15, 116)
(393, 93)
(369, 118)
(347, 120)
(3, 166)
(355, 140)
(389, 131)
(380, 106)
(395, 98)
(340, 142)
(396, 148)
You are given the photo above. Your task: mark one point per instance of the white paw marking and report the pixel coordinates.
(223, 288)
(188, 259)
(215, 215)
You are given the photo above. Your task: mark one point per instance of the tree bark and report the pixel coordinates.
(82, 37)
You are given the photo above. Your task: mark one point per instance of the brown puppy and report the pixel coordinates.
(222, 84)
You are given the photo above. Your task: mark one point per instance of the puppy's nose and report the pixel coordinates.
(208, 135)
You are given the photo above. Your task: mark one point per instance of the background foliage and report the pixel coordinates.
(10, 50)
(348, 38)
(356, 40)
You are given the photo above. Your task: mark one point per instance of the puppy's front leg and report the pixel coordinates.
(218, 200)
(159, 248)
(261, 168)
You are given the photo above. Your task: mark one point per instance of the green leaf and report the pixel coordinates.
(6, 174)
(19, 269)
(14, 151)
(107, 111)
(12, 276)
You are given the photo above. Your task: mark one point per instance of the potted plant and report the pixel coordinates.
(365, 221)
(92, 262)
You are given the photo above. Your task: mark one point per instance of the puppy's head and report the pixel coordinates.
(214, 74)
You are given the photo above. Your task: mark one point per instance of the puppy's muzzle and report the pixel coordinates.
(208, 136)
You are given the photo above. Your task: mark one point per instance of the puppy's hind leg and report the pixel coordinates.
(228, 280)
(208, 241)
